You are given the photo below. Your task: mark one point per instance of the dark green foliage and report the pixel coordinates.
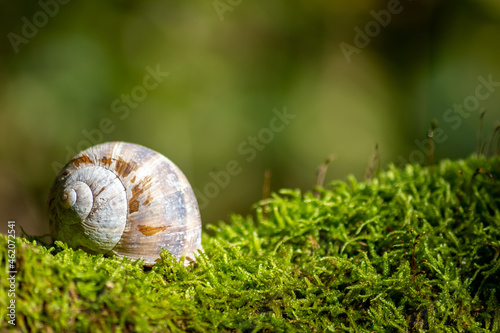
(411, 250)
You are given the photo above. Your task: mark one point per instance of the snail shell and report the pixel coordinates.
(124, 199)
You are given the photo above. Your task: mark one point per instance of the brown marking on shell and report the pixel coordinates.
(148, 200)
(106, 161)
(137, 191)
(132, 180)
(123, 168)
(84, 159)
(151, 230)
(133, 206)
(102, 189)
(64, 174)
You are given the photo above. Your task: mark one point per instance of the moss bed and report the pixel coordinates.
(413, 249)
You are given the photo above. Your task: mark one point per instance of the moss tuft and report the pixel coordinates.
(413, 249)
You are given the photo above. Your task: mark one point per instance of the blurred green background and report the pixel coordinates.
(231, 63)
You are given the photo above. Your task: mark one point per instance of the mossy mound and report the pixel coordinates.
(413, 249)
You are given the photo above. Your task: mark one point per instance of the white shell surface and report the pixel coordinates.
(161, 209)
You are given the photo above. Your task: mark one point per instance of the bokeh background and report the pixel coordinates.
(230, 64)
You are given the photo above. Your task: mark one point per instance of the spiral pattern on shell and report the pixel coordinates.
(127, 200)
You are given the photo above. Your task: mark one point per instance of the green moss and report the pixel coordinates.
(411, 250)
